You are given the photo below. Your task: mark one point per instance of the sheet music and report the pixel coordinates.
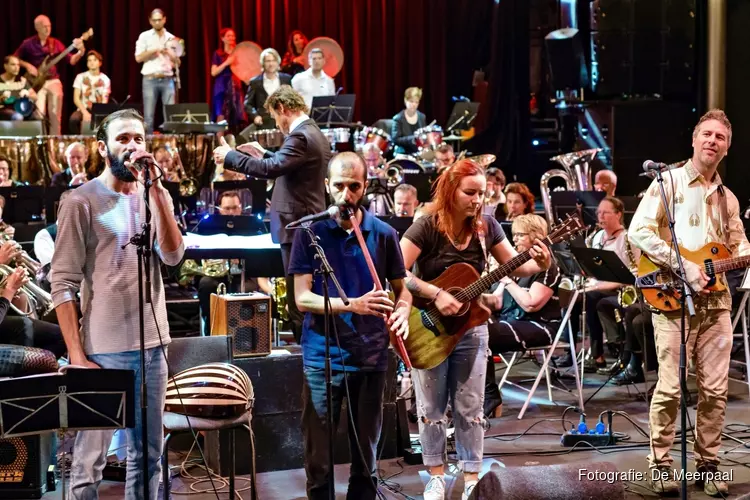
(224, 241)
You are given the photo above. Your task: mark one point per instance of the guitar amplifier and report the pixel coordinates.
(247, 318)
(23, 465)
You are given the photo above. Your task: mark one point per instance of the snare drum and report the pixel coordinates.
(372, 135)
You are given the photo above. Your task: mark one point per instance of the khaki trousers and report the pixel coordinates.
(49, 102)
(709, 345)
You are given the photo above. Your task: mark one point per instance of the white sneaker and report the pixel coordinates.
(468, 488)
(435, 489)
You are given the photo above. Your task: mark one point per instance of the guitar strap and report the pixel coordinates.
(481, 236)
(723, 214)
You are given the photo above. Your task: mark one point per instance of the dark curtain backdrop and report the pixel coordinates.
(388, 45)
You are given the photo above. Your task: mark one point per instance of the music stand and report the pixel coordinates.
(193, 112)
(400, 224)
(52, 196)
(333, 109)
(462, 115)
(257, 188)
(23, 203)
(242, 225)
(507, 229)
(423, 182)
(568, 202)
(71, 399)
(99, 111)
(603, 265)
(189, 202)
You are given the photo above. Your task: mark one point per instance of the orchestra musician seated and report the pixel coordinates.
(13, 87)
(494, 202)
(518, 200)
(405, 200)
(171, 165)
(444, 157)
(5, 176)
(76, 156)
(526, 310)
(605, 180)
(221, 270)
(407, 122)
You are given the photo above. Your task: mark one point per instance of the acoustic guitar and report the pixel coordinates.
(432, 336)
(661, 287)
(38, 81)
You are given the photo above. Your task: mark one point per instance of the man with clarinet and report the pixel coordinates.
(359, 331)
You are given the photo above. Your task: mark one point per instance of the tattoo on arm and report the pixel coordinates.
(412, 284)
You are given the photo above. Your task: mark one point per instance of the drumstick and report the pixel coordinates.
(378, 286)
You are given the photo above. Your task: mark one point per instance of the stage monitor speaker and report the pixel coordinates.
(247, 318)
(23, 465)
(567, 63)
(551, 482)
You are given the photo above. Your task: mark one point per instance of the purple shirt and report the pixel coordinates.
(32, 51)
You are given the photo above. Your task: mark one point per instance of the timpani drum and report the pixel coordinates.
(271, 138)
(195, 150)
(23, 154)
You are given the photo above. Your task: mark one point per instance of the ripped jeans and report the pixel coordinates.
(461, 378)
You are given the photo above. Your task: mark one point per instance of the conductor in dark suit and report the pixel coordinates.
(299, 168)
(262, 86)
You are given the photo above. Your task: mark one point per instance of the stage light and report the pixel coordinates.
(535, 142)
(206, 216)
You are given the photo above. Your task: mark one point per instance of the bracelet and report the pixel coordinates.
(436, 294)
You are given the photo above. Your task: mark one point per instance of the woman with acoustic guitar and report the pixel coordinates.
(453, 232)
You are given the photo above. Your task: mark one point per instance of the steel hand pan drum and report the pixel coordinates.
(269, 139)
(372, 135)
(214, 390)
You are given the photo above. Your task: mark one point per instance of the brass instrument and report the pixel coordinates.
(576, 174)
(627, 295)
(38, 301)
(213, 268)
(393, 174)
(279, 296)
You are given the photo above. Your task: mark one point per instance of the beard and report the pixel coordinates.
(118, 169)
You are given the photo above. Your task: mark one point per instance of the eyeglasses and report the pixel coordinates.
(519, 235)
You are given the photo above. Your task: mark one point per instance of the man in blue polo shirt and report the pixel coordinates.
(361, 353)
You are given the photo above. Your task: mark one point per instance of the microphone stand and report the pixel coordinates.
(142, 243)
(686, 300)
(327, 272)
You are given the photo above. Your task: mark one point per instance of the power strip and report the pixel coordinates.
(569, 439)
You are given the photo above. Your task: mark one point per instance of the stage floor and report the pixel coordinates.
(410, 480)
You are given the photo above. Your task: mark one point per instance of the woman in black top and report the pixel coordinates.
(407, 122)
(527, 309)
(455, 231)
(293, 61)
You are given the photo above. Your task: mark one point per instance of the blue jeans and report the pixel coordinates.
(459, 378)
(154, 88)
(90, 448)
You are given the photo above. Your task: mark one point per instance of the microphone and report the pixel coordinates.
(338, 91)
(329, 213)
(649, 165)
(121, 104)
(139, 164)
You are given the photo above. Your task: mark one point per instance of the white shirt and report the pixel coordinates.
(161, 64)
(296, 123)
(618, 244)
(309, 86)
(270, 85)
(94, 88)
(44, 247)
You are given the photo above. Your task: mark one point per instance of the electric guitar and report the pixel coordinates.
(661, 287)
(38, 81)
(432, 336)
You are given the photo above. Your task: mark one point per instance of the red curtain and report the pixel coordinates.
(388, 45)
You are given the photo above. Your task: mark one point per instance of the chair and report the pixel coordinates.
(385, 124)
(187, 353)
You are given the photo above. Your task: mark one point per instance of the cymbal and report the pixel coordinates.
(484, 160)
(454, 138)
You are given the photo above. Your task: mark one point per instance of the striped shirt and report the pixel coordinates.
(94, 224)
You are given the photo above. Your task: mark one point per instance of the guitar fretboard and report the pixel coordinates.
(474, 290)
(724, 265)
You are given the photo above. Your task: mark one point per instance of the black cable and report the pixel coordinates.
(182, 403)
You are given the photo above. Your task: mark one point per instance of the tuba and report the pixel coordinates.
(576, 174)
(38, 300)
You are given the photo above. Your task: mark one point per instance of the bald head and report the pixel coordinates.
(353, 164)
(605, 180)
(43, 25)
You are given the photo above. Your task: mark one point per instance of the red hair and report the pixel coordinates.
(445, 196)
(523, 191)
(223, 33)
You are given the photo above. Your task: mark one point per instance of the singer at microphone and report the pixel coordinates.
(362, 331)
(650, 165)
(329, 213)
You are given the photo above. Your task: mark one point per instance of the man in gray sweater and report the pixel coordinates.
(92, 255)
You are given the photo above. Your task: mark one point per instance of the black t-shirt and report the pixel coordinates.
(551, 310)
(438, 253)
